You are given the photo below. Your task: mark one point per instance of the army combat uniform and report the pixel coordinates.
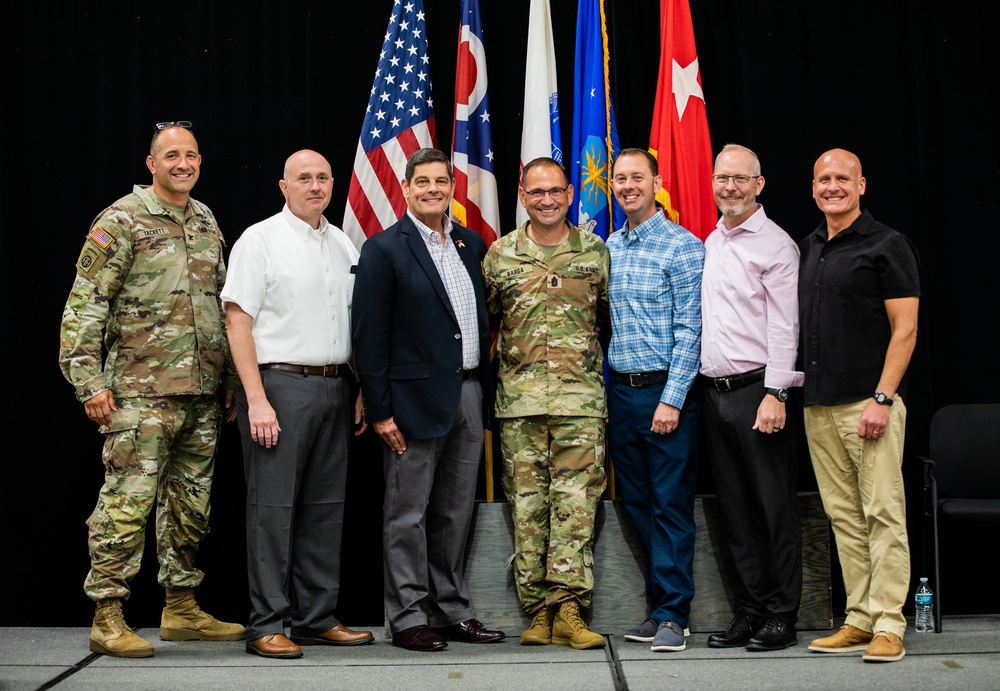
(148, 282)
(551, 405)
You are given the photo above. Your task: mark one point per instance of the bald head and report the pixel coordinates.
(837, 187)
(841, 157)
(307, 185)
(305, 157)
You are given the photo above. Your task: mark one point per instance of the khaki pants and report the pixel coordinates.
(861, 483)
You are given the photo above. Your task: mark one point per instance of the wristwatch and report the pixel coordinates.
(780, 394)
(882, 399)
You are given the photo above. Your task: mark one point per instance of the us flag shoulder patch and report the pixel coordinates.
(100, 237)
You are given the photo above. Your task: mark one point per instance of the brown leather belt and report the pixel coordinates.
(309, 370)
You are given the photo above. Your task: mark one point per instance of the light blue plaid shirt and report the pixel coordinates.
(458, 285)
(655, 294)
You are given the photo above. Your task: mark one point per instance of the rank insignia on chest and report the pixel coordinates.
(101, 238)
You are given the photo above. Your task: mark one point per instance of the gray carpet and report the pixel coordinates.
(965, 656)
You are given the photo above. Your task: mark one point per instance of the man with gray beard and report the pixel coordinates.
(749, 336)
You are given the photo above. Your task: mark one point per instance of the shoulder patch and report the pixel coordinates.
(99, 246)
(100, 237)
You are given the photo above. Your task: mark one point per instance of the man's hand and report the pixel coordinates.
(264, 425)
(873, 421)
(99, 407)
(359, 416)
(770, 415)
(391, 434)
(230, 410)
(665, 419)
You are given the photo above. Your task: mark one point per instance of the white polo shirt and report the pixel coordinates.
(297, 284)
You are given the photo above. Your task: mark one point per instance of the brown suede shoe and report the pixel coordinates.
(275, 645)
(885, 647)
(847, 639)
(338, 635)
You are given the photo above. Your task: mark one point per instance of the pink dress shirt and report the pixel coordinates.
(749, 296)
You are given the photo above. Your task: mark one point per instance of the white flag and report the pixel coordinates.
(540, 132)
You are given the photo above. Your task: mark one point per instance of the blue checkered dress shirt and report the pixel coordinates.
(655, 295)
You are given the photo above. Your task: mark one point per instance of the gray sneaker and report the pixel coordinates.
(643, 633)
(669, 638)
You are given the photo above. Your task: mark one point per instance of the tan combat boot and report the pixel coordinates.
(540, 631)
(568, 628)
(183, 620)
(110, 635)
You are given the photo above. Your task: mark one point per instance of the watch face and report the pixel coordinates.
(780, 394)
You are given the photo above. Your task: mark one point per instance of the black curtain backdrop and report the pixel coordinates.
(907, 86)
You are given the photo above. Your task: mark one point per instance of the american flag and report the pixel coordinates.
(399, 120)
(475, 203)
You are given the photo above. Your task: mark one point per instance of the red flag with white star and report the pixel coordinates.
(679, 137)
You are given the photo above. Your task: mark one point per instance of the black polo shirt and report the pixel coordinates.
(843, 285)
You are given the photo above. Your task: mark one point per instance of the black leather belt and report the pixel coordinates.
(310, 370)
(736, 381)
(470, 374)
(638, 380)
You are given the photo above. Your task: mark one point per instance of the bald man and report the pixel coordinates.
(288, 315)
(859, 291)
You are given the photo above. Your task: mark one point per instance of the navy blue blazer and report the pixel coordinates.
(407, 341)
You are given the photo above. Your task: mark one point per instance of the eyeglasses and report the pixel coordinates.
(740, 180)
(538, 195)
(186, 124)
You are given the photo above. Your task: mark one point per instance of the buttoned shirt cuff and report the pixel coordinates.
(782, 379)
(674, 395)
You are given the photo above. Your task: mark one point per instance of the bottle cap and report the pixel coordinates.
(923, 579)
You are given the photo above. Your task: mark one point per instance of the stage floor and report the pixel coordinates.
(965, 656)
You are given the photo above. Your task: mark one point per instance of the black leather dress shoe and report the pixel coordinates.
(739, 632)
(469, 631)
(419, 638)
(775, 634)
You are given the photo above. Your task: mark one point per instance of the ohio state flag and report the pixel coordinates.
(679, 137)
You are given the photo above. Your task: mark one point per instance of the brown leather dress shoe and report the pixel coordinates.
(419, 638)
(469, 631)
(274, 645)
(338, 635)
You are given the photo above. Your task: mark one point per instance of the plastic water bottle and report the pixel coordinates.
(924, 603)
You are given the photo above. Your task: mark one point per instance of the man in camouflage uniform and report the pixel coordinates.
(148, 282)
(547, 282)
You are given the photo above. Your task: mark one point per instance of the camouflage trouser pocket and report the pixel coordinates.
(97, 524)
(121, 443)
